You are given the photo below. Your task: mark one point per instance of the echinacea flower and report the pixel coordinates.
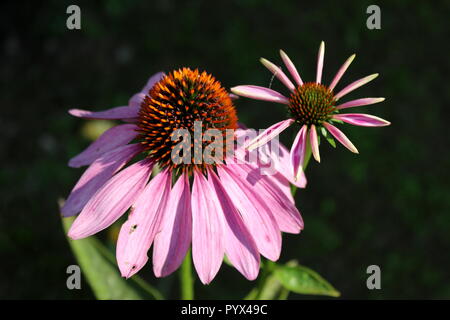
(312, 105)
(222, 207)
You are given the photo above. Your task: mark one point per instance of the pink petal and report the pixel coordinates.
(152, 81)
(314, 143)
(260, 93)
(360, 119)
(100, 171)
(111, 200)
(286, 214)
(233, 96)
(137, 233)
(269, 134)
(114, 113)
(172, 243)
(207, 230)
(136, 100)
(291, 67)
(341, 72)
(298, 151)
(359, 102)
(276, 153)
(341, 137)
(354, 85)
(278, 73)
(255, 213)
(320, 58)
(240, 247)
(109, 140)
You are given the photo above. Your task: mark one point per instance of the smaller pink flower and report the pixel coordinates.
(312, 105)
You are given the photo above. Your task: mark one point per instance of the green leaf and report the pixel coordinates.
(328, 137)
(100, 269)
(300, 279)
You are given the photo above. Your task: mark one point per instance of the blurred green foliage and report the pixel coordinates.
(388, 206)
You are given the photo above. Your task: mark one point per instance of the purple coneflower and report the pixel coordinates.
(222, 208)
(313, 106)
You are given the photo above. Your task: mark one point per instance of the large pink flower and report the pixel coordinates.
(226, 207)
(313, 106)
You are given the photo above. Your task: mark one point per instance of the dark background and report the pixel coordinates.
(388, 206)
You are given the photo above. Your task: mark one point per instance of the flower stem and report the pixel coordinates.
(186, 279)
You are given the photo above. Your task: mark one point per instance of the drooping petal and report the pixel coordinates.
(240, 247)
(298, 151)
(320, 58)
(269, 134)
(291, 67)
(111, 200)
(113, 114)
(152, 81)
(137, 233)
(285, 212)
(354, 85)
(361, 119)
(255, 213)
(174, 239)
(207, 230)
(276, 153)
(260, 93)
(111, 139)
(278, 73)
(359, 102)
(100, 171)
(341, 72)
(314, 143)
(341, 137)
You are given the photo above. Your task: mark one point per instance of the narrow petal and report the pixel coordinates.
(285, 212)
(341, 71)
(341, 137)
(138, 232)
(278, 73)
(320, 58)
(255, 213)
(100, 171)
(359, 102)
(360, 119)
(111, 139)
(298, 151)
(314, 143)
(260, 93)
(172, 243)
(152, 81)
(291, 67)
(114, 113)
(207, 231)
(111, 200)
(354, 85)
(240, 247)
(269, 134)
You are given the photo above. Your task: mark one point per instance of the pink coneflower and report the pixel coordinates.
(222, 208)
(313, 106)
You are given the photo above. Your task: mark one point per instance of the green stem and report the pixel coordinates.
(186, 279)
